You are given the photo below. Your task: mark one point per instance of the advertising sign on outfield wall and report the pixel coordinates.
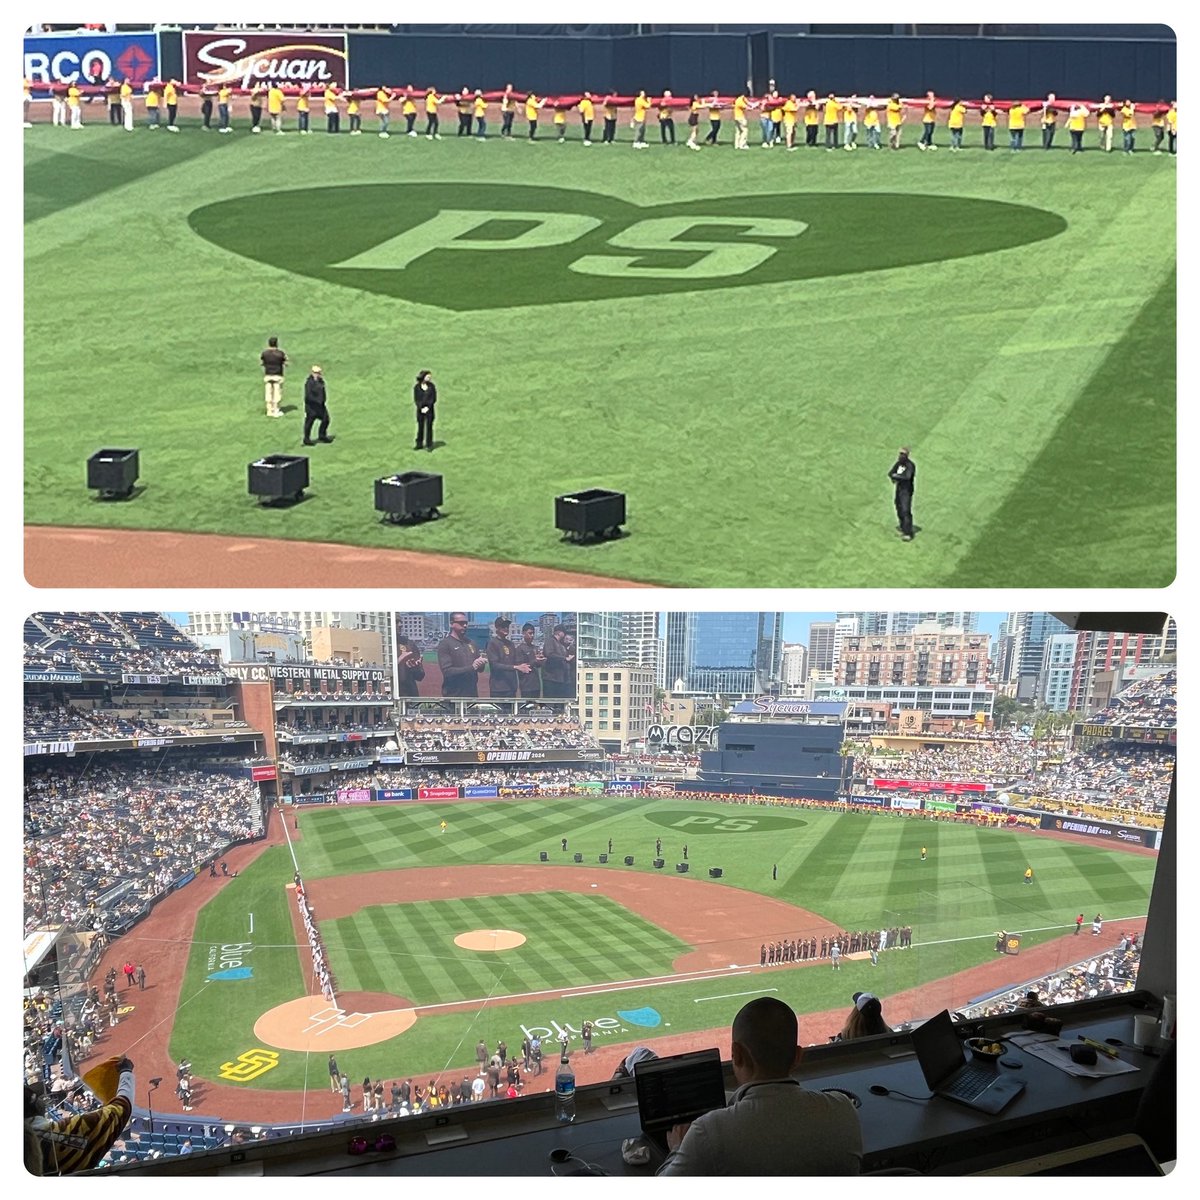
(69, 57)
(437, 793)
(354, 795)
(394, 794)
(242, 59)
(875, 801)
(53, 677)
(1104, 830)
(481, 793)
(446, 758)
(260, 673)
(912, 803)
(260, 773)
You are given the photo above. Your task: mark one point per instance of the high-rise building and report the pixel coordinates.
(1099, 652)
(846, 625)
(736, 652)
(820, 645)
(679, 644)
(794, 669)
(598, 637)
(641, 643)
(1058, 667)
(615, 702)
(303, 623)
(926, 656)
(1030, 631)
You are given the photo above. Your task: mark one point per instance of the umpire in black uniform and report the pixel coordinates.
(424, 400)
(904, 474)
(315, 408)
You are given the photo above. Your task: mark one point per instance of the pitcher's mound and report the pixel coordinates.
(490, 939)
(312, 1024)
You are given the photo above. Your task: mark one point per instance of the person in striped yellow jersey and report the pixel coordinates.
(587, 115)
(609, 136)
(153, 95)
(955, 122)
(666, 120)
(73, 106)
(333, 117)
(1016, 125)
(508, 110)
(928, 123)
(895, 120)
(871, 123)
(1158, 125)
(1172, 126)
(850, 123)
(1106, 115)
(693, 120)
(560, 122)
(812, 119)
(432, 100)
(791, 113)
(28, 102)
(257, 93)
(712, 109)
(409, 111)
(354, 112)
(830, 120)
(987, 121)
(641, 107)
(383, 109)
(532, 104)
(741, 124)
(171, 100)
(479, 112)
(1077, 116)
(302, 110)
(1128, 126)
(463, 104)
(275, 106)
(1049, 120)
(127, 104)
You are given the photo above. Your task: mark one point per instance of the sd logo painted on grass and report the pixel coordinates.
(693, 822)
(466, 247)
(249, 1065)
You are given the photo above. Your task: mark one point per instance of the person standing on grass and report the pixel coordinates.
(587, 115)
(432, 100)
(425, 403)
(532, 104)
(315, 407)
(275, 107)
(224, 92)
(987, 121)
(273, 361)
(408, 110)
(904, 475)
(256, 108)
(480, 114)
(508, 110)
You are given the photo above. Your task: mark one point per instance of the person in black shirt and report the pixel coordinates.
(501, 658)
(315, 408)
(526, 654)
(458, 660)
(425, 402)
(903, 474)
(411, 672)
(273, 360)
(558, 673)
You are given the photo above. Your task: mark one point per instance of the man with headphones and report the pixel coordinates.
(771, 1125)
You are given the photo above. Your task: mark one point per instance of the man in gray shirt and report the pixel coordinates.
(771, 1125)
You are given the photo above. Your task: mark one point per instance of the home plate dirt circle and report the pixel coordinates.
(311, 1024)
(490, 939)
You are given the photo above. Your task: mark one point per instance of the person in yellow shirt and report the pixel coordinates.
(409, 109)
(871, 123)
(1158, 125)
(354, 112)
(28, 103)
(333, 116)
(73, 106)
(127, 104)
(987, 120)
(850, 123)
(812, 118)
(560, 122)
(153, 94)
(830, 121)
(1128, 126)
(693, 120)
(666, 120)
(1105, 118)
(741, 125)
(928, 123)
(1049, 120)
(479, 112)
(587, 115)
(302, 110)
(1076, 123)
(955, 122)
(275, 107)
(464, 103)
(508, 110)
(1172, 126)
(609, 136)
(383, 109)
(1016, 125)
(171, 100)
(641, 107)
(712, 106)
(432, 100)
(532, 104)
(895, 120)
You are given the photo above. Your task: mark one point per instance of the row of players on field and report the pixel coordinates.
(837, 118)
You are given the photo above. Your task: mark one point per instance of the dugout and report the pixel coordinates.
(785, 758)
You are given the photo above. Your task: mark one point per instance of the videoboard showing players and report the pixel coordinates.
(488, 655)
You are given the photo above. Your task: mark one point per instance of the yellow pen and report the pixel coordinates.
(1100, 1046)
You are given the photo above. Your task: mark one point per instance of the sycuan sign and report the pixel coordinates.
(243, 59)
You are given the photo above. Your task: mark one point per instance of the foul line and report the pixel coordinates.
(733, 995)
(629, 987)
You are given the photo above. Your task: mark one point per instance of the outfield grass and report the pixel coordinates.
(1012, 318)
(857, 871)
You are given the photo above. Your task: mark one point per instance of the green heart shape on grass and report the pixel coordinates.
(466, 247)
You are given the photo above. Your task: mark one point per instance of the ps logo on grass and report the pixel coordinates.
(468, 247)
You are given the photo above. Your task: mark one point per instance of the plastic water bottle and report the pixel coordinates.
(564, 1092)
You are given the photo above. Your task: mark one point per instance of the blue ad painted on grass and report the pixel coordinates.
(232, 973)
(646, 1018)
(69, 58)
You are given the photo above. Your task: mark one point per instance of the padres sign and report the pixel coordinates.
(249, 1065)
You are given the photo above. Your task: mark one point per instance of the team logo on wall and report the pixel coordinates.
(466, 247)
(244, 59)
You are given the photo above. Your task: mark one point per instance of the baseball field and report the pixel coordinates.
(737, 341)
(438, 939)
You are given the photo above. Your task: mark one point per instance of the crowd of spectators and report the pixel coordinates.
(49, 721)
(1145, 703)
(994, 760)
(1134, 779)
(547, 779)
(112, 644)
(129, 821)
(341, 691)
(493, 732)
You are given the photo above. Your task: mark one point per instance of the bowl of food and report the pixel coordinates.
(985, 1048)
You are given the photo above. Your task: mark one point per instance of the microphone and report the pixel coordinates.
(156, 1082)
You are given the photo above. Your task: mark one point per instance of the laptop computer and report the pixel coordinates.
(979, 1085)
(677, 1089)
